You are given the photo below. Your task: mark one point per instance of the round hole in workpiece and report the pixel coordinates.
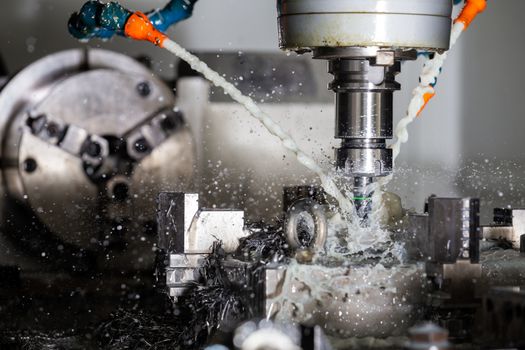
(30, 165)
(120, 191)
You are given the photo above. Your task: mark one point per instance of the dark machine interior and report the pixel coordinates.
(246, 193)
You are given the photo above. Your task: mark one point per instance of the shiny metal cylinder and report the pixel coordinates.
(364, 107)
(362, 73)
(309, 24)
(367, 162)
(364, 84)
(364, 114)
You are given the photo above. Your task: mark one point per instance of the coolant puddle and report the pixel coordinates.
(358, 288)
(366, 301)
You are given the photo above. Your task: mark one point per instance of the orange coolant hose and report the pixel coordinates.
(470, 11)
(139, 27)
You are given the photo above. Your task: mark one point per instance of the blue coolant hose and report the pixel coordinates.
(103, 20)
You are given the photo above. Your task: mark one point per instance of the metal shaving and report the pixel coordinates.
(34, 340)
(266, 244)
(215, 303)
(218, 302)
(139, 330)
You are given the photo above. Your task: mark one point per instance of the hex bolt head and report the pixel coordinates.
(52, 129)
(141, 145)
(93, 149)
(37, 123)
(168, 124)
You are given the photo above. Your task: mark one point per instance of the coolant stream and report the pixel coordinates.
(327, 182)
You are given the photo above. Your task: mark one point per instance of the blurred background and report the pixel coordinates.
(469, 141)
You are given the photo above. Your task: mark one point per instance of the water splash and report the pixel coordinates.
(358, 237)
